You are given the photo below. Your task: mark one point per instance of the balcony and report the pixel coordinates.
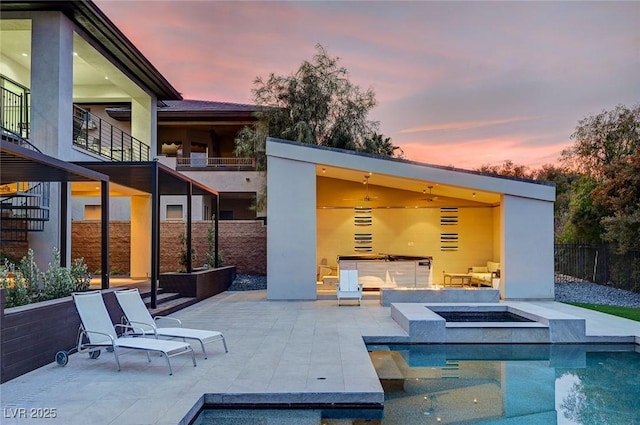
(96, 135)
(203, 163)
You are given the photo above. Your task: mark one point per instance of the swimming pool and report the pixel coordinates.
(502, 384)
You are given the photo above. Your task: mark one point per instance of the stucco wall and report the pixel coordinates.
(291, 209)
(527, 249)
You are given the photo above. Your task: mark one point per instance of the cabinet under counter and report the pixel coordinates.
(389, 271)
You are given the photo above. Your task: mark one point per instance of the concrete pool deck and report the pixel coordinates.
(310, 352)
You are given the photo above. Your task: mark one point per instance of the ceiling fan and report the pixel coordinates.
(429, 197)
(366, 197)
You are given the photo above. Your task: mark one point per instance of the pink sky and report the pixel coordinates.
(457, 83)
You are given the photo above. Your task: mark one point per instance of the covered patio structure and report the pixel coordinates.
(145, 183)
(327, 203)
(20, 165)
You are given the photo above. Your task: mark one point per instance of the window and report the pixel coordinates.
(174, 212)
(92, 212)
(226, 215)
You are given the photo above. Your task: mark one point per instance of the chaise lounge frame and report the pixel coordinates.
(138, 318)
(97, 332)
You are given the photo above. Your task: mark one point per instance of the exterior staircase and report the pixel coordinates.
(166, 302)
(24, 206)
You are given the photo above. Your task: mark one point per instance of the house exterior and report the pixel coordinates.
(56, 57)
(458, 218)
(197, 138)
(76, 89)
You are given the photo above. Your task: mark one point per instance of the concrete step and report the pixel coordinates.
(171, 306)
(162, 297)
(167, 302)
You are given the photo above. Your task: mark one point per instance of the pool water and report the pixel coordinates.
(481, 316)
(536, 384)
(504, 384)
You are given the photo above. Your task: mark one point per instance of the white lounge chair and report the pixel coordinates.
(98, 332)
(348, 286)
(137, 315)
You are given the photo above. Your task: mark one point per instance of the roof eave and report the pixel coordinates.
(87, 16)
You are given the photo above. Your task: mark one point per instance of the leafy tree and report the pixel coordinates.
(584, 221)
(607, 151)
(317, 105)
(620, 194)
(564, 180)
(380, 145)
(507, 168)
(605, 140)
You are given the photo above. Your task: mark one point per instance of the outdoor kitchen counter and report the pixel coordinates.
(389, 270)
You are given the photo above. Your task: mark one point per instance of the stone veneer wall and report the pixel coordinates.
(242, 243)
(86, 237)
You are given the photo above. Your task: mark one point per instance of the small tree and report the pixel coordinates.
(211, 245)
(317, 105)
(184, 254)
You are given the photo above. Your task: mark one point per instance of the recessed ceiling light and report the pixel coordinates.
(75, 53)
(25, 54)
(106, 78)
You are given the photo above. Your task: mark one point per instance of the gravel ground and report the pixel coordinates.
(246, 282)
(593, 293)
(584, 292)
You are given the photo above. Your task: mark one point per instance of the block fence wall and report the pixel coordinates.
(242, 243)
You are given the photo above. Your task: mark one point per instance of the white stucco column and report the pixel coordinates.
(140, 250)
(291, 230)
(52, 83)
(144, 122)
(51, 113)
(526, 248)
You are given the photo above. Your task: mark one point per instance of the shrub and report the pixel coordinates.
(80, 275)
(25, 283)
(31, 273)
(16, 289)
(57, 280)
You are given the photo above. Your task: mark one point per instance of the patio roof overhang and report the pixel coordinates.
(410, 175)
(19, 164)
(140, 175)
(157, 179)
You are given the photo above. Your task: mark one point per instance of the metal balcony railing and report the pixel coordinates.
(13, 116)
(96, 135)
(216, 163)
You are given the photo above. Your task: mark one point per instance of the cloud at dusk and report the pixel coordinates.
(457, 83)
